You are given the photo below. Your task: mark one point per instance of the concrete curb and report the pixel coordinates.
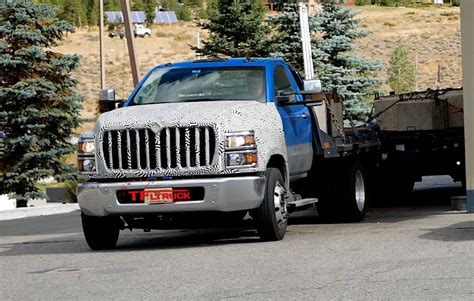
(37, 211)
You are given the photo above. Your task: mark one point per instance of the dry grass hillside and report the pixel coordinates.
(432, 33)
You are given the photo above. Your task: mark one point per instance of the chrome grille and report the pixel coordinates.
(143, 149)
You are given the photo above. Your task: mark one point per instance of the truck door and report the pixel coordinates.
(296, 123)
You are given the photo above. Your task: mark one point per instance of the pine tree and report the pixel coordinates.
(112, 5)
(150, 7)
(237, 29)
(73, 12)
(92, 12)
(39, 108)
(401, 72)
(335, 64)
(169, 4)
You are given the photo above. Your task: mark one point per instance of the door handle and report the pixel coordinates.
(304, 115)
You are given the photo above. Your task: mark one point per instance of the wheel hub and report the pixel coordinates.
(359, 190)
(281, 213)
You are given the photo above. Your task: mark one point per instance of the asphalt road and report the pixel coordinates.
(417, 249)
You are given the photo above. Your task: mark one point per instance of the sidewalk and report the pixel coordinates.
(35, 208)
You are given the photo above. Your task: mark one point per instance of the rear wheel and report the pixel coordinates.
(346, 198)
(272, 215)
(101, 233)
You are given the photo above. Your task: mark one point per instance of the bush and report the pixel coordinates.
(184, 14)
(388, 2)
(203, 14)
(363, 2)
(71, 193)
(456, 2)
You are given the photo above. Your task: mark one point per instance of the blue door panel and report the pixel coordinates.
(297, 126)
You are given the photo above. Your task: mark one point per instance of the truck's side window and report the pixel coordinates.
(282, 81)
(297, 77)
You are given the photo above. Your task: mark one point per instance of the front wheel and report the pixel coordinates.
(101, 233)
(272, 215)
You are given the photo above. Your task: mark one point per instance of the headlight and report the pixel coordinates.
(86, 155)
(86, 164)
(86, 147)
(241, 150)
(242, 140)
(242, 159)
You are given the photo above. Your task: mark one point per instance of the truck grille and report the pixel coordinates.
(143, 149)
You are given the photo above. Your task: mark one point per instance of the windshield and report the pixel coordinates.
(202, 84)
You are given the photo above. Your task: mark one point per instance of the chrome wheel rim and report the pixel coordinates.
(359, 190)
(281, 214)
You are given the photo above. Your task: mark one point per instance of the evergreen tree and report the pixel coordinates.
(73, 12)
(169, 4)
(401, 72)
(149, 7)
(39, 108)
(237, 29)
(137, 5)
(335, 64)
(112, 5)
(92, 12)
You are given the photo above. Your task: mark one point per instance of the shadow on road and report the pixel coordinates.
(423, 197)
(136, 241)
(458, 232)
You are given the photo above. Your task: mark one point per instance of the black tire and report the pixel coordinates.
(272, 221)
(101, 233)
(347, 196)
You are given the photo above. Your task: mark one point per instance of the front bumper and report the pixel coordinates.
(220, 194)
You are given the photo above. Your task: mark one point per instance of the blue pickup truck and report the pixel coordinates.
(219, 139)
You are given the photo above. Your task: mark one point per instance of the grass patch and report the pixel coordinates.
(389, 24)
(448, 13)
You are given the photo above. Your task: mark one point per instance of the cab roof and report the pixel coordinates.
(223, 62)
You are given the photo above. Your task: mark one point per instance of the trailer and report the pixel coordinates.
(421, 134)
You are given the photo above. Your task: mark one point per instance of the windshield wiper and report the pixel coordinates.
(199, 99)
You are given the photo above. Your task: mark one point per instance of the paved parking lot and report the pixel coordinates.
(417, 249)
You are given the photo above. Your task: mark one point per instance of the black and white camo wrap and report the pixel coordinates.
(223, 116)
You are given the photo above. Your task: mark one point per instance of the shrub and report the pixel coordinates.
(184, 14)
(363, 2)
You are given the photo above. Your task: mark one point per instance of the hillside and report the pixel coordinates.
(432, 33)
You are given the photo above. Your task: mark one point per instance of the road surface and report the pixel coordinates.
(418, 250)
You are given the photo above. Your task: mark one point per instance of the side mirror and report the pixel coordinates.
(286, 99)
(107, 100)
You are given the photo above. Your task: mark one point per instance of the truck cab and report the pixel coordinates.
(200, 139)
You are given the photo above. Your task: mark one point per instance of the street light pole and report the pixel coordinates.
(101, 37)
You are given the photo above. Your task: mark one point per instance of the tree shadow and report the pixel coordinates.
(457, 232)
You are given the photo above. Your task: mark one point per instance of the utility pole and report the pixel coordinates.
(416, 71)
(127, 21)
(198, 41)
(438, 79)
(101, 37)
